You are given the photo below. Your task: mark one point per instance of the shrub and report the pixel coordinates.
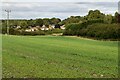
(93, 29)
(103, 31)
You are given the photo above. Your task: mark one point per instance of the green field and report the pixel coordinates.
(58, 57)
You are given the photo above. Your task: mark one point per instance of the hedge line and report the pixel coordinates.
(93, 30)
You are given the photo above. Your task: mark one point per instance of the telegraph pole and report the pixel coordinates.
(8, 13)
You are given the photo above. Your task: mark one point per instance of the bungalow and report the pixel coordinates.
(53, 26)
(18, 27)
(62, 27)
(32, 29)
(28, 30)
(44, 28)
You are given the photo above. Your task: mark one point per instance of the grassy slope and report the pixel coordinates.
(49, 56)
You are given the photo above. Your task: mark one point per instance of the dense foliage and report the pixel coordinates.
(96, 30)
(95, 24)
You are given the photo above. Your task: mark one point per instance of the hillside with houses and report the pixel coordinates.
(95, 25)
(42, 28)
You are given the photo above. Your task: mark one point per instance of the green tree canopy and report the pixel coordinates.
(95, 15)
(23, 24)
(54, 21)
(108, 19)
(31, 22)
(39, 22)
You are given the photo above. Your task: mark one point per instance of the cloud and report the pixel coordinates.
(119, 7)
(60, 0)
(61, 10)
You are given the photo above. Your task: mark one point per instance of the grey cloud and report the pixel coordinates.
(60, 10)
(119, 7)
(39, 7)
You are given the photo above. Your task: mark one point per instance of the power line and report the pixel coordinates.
(8, 13)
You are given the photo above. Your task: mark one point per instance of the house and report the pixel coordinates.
(32, 29)
(44, 28)
(18, 27)
(53, 26)
(13, 26)
(37, 26)
(62, 27)
(28, 30)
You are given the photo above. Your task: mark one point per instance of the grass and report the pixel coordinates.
(58, 57)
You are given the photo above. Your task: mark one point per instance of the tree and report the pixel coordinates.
(4, 26)
(23, 24)
(31, 22)
(73, 19)
(46, 21)
(39, 22)
(15, 22)
(108, 19)
(54, 21)
(95, 15)
(116, 17)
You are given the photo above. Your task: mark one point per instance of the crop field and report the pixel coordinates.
(58, 57)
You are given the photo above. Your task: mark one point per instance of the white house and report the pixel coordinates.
(62, 27)
(28, 30)
(32, 29)
(44, 28)
(53, 26)
(18, 27)
(47, 29)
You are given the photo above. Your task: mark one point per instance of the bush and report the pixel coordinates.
(93, 29)
(73, 29)
(103, 31)
(22, 32)
(57, 30)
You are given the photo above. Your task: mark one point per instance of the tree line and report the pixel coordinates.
(94, 25)
(32, 22)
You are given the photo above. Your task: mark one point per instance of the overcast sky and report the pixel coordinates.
(32, 10)
(60, 0)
